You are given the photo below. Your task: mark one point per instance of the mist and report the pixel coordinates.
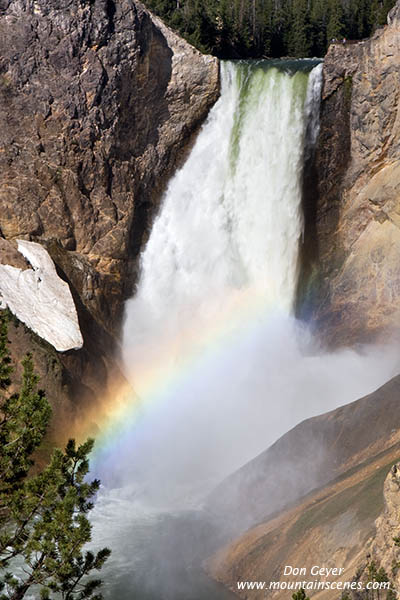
(234, 404)
(230, 408)
(220, 366)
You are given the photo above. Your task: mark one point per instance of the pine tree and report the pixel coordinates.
(373, 14)
(300, 42)
(265, 41)
(300, 595)
(319, 17)
(5, 360)
(362, 19)
(43, 517)
(25, 418)
(387, 5)
(281, 29)
(253, 28)
(335, 27)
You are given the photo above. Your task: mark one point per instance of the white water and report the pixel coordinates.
(231, 219)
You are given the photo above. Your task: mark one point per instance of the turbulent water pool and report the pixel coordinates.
(159, 556)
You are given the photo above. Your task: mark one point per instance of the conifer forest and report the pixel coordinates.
(271, 28)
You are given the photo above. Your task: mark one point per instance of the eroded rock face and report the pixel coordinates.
(316, 451)
(98, 101)
(338, 509)
(9, 255)
(384, 551)
(355, 230)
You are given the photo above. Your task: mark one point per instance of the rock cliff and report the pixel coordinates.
(353, 205)
(384, 551)
(98, 100)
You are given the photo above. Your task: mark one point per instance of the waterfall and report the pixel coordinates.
(227, 237)
(312, 106)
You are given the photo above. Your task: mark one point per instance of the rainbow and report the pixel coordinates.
(118, 413)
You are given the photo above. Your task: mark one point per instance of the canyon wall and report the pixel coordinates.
(98, 101)
(337, 463)
(352, 201)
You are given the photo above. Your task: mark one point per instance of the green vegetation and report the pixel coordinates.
(273, 28)
(371, 572)
(300, 595)
(376, 573)
(43, 516)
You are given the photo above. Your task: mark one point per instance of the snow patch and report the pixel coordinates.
(40, 299)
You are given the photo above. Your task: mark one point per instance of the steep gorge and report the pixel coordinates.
(98, 102)
(333, 524)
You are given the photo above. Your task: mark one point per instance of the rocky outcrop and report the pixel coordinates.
(353, 232)
(384, 551)
(98, 100)
(9, 255)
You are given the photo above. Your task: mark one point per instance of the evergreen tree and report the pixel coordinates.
(335, 28)
(363, 23)
(318, 27)
(300, 595)
(300, 41)
(43, 517)
(373, 14)
(386, 6)
(281, 29)
(351, 16)
(376, 573)
(25, 417)
(265, 41)
(5, 360)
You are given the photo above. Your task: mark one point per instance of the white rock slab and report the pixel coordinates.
(40, 299)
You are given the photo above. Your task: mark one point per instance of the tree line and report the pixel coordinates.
(270, 28)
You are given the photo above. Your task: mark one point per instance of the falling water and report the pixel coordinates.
(229, 228)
